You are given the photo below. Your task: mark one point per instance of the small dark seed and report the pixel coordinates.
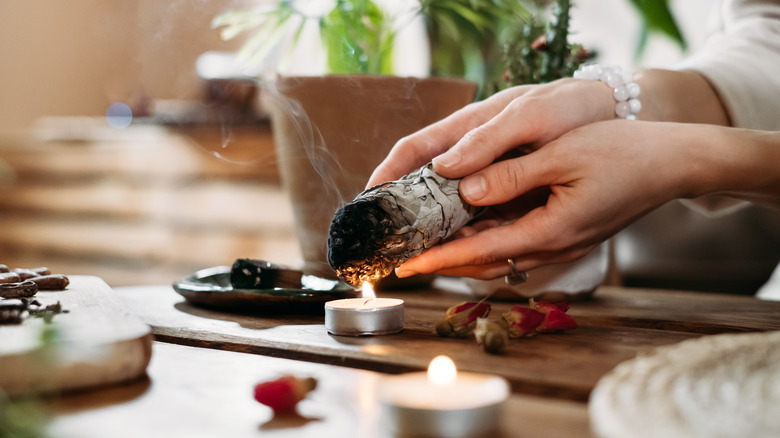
(9, 277)
(24, 289)
(26, 274)
(51, 282)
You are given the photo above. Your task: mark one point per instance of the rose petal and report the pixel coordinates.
(283, 394)
(523, 320)
(472, 309)
(555, 319)
(539, 305)
(463, 317)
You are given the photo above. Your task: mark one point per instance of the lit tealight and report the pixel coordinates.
(366, 316)
(442, 371)
(443, 402)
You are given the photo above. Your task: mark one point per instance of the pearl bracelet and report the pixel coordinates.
(624, 89)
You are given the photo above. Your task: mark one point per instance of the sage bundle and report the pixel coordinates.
(392, 222)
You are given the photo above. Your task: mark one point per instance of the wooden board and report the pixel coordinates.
(617, 325)
(199, 392)
(97, 342)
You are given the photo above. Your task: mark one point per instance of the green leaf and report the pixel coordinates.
(641, 44)
(657, 17)
(358, 38)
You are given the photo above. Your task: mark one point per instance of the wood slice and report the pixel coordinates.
(97, 342)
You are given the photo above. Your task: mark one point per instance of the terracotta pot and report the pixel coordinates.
(332, 131)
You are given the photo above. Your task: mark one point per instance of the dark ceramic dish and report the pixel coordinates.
(211, 288)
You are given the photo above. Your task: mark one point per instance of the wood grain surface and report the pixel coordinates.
(97, 342)
(197, 392)
(615, 326)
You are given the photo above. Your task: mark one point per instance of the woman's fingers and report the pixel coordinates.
(506, 180)
(488, 242)
(501, 268)
(486, 143)
(483, 248)
(536, 117)
(415, 150)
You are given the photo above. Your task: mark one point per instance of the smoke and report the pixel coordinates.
(294, 128)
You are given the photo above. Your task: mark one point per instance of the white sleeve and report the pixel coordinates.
(742, 61)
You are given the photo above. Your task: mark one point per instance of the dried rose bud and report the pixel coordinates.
(522, 321)
(555, 317)
(283, 394)
(461, 319)
(491, 335)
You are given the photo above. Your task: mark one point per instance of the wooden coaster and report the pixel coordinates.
(97, 342)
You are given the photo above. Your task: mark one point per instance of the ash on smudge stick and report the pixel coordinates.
(393, 222)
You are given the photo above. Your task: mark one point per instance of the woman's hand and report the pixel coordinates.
(599, 178)
(524, 116)
(530, 116)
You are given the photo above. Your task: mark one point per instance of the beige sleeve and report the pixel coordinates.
(742, 61)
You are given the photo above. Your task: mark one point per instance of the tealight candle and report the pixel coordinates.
(443, 402)
(364, 316)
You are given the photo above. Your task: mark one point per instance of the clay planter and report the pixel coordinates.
(332, 131)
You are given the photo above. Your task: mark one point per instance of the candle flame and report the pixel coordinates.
(442, 371)
(368, 291)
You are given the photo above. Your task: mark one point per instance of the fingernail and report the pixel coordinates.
(402, 272)
(473, 188)
(448, 159)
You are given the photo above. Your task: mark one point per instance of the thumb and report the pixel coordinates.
(505, 180)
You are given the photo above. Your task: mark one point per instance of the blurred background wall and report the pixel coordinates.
(79, 56)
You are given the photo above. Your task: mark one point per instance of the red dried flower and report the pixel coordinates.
(283, 394)
(555, 317)
(522, 321)
(461, 319)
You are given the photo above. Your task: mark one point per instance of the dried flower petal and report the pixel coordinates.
(563, 305)
(283, 394)
(555, 317)
(491, 335)
(461, 319)
(522, 321)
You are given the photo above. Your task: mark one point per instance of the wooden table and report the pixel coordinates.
(197, 392)
(615, 325)
(551, 375)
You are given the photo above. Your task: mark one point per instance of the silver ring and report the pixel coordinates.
(515, 277)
